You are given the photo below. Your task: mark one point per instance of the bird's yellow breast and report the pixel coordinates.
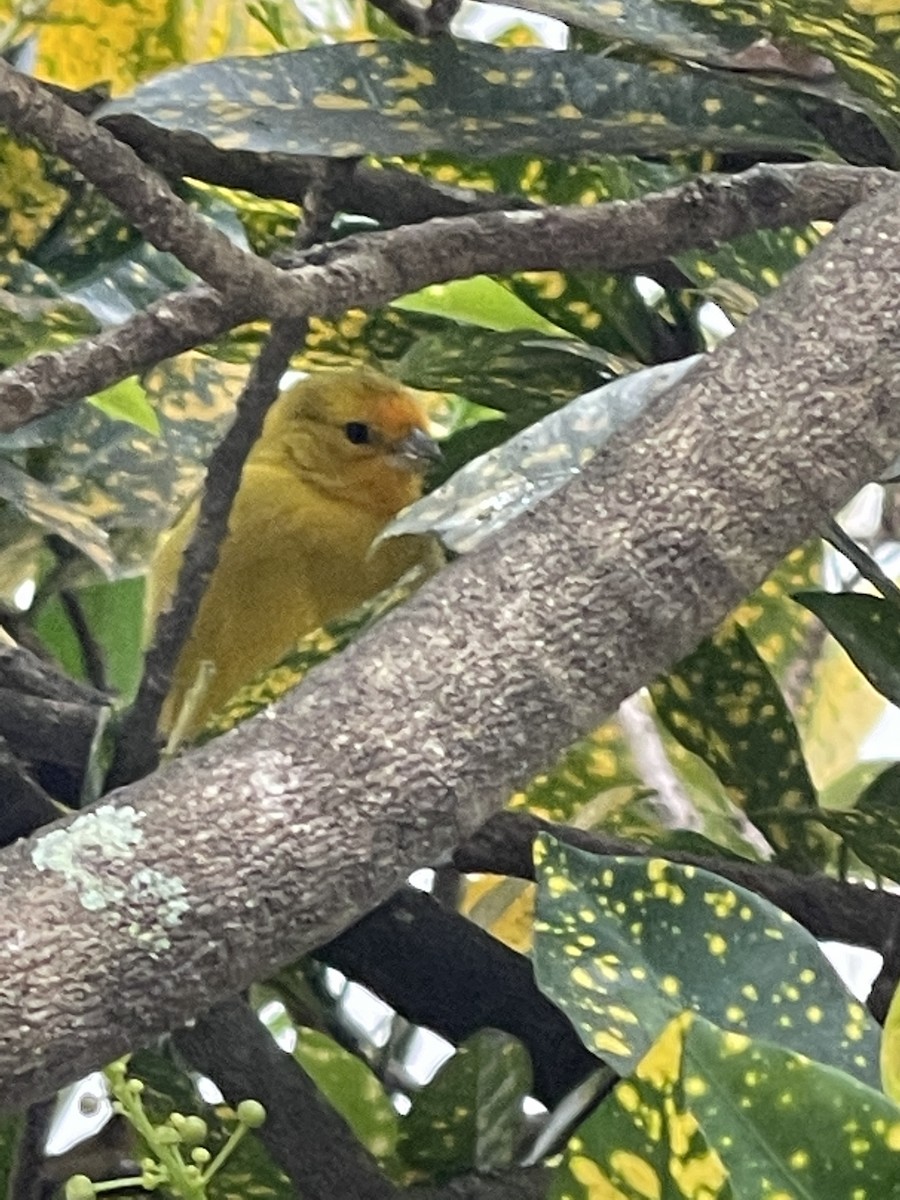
(298, 554)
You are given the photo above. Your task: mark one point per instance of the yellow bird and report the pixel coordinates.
(339, 455)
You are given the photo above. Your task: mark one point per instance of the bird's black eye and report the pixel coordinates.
(357, 432)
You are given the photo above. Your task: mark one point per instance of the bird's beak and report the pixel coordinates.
(417, 450)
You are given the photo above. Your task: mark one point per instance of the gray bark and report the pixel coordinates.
(266, 843)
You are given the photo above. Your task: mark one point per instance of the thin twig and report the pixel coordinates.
(137, 752)
(372, 270)
(864, 563)
(28, 108)
(91, 652)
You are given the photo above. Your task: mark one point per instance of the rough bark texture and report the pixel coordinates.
(270, 840)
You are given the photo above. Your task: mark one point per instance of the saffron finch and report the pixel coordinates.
(339, 455)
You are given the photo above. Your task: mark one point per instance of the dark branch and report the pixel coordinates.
(49, 723)
(389, 195)
(438, 969)
(311, 1143)
(841, 912)
(22, 671)
(136, 752)
(56, 731)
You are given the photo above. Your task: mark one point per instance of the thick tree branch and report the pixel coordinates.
(437, 968)
(373, 270)
(272, 839)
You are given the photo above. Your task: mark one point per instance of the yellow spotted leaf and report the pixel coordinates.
(716, 1114)
(624, 944)
(643, 1142)
(722, 704)
(408, 98)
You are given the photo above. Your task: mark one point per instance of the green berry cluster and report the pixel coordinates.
(179, 1160)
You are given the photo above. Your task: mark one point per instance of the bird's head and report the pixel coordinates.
(344, 430)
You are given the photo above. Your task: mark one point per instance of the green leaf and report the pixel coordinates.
(386, 335)
(736, 275)
(788, 43)
(352, 1090)
(872, 827)
(843, 792)
(663, 27)
(722, 704)
(605, 310)
(708, 1111)
(405, 98)
(11, 1127)
(890, 1050)
(127, 401)
(859, 38)
(785, 1125)
(480, 301)
(29, 323)
(130, 481)
(597, 770)
(100, 261)
(524, 375)
(622, 945)
(32, 194)
(869, 630)
(608, 310)
(778, 630)
(469, 1118)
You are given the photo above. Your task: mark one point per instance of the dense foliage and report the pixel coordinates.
(724, 1056)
